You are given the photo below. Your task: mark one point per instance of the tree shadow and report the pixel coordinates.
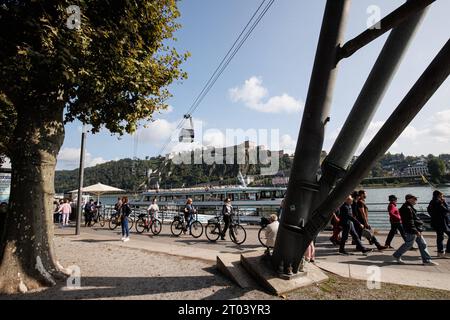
(138, 287)
(96, 240)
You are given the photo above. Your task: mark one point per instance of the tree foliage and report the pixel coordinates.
(111, 72)
(436, 168)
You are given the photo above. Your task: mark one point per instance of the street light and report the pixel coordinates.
(80, 180)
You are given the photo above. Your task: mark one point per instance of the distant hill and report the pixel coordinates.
(131, 175)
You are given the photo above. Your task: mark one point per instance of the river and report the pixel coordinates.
(377, 200)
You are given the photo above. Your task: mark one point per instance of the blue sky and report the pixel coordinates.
(266, 84)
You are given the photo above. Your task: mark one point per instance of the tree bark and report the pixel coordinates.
(27, 253)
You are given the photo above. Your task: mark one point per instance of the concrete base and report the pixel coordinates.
(230, 265)
(260, 268)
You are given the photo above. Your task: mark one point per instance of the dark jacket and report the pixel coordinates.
(227, 211)
(411, 223)
(125, 209)
(440, 215)
(346, 215)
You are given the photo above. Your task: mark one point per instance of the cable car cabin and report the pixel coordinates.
(187, 133)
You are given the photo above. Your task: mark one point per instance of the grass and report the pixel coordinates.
(340, 288)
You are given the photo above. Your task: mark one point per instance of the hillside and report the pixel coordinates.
(131, 175)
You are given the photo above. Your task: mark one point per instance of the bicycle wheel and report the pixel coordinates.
(156, 227)
(237, 233)
(196, 229)
(212, 231)
(113, 223)
(262, 236)
(130, 223)
(102, 221)
(176, 227)
(141, 225)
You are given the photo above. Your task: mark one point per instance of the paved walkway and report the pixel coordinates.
(361, 267)
(356, 266)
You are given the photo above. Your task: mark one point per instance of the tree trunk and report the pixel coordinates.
(27, 253)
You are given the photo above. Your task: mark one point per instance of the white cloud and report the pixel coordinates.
(69, 158)
(156, 132)
(433, 136)
(442, 116)
(252, 94)
(214, 138)
(288, 144)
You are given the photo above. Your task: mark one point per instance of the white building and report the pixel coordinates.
(416, 171)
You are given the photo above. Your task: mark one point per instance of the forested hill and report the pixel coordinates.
(131, 174)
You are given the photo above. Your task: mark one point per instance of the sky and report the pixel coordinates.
(262, 92)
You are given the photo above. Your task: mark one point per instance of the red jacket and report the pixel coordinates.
(394, 214)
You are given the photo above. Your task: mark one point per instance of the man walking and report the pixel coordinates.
(440, 221)
(346, 221)
(413, 227)
(362, 215)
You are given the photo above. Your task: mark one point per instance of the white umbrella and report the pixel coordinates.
(99, 189)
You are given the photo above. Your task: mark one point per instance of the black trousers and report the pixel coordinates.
(348, 228)
(394, 227)
(227, 220)
(440, 240)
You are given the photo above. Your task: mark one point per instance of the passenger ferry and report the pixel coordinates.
(210, 199)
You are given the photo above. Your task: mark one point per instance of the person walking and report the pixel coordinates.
(65, 209)
(335, 239)
(396, 221)
(413, 227)
(88, 213)
(362, 215)
(310, 253)
(189, 212)
(124, 213)
(346, 221)
(227, 213)
(440, 222)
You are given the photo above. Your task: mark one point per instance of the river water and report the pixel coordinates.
(377, 200)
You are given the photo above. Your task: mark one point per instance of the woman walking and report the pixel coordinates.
(124, 212)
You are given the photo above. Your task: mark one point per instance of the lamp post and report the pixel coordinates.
(80, 180)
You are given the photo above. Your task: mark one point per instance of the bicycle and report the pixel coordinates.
(149, 223)
(215, 226)
(114, 222)
(262, 232)
(98, 217)
(178, 226)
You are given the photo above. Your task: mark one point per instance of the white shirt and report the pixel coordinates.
(271, 233)
(153, 208)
